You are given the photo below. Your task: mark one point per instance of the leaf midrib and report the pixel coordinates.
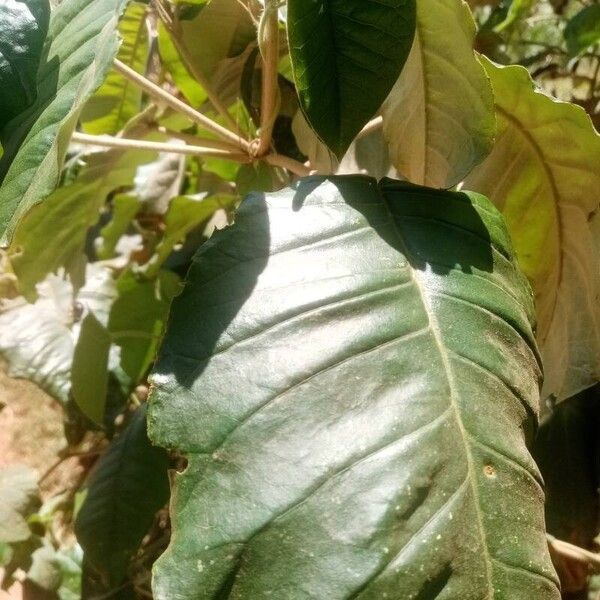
(438, 338)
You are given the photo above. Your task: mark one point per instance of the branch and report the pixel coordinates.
(575, 553)
(195, 140)
(157, 92)
(268, 39)
(107, 141)
(370, 127)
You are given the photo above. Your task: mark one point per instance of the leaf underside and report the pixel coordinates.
(346, 56)
(439, 117)
(354, 400)
(544, 175)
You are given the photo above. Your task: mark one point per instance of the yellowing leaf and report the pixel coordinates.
(439, 117)
(118, 99)
(544, 174)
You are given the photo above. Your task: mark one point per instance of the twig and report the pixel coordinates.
(268, 39)
(157, 92)
(574, 552)
(196, 140)
(594, 81)
(62, 459)
(370, 127)
(285, 162)
(174, 30)
(107, 141)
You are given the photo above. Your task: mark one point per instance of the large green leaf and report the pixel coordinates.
(354, 398)
(346, 56)
(118, 99)
(82, 41)
(439, 117)
(544, 175)
(128, 485)
(23, 29)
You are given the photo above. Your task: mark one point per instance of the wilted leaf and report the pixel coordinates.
(159, 181)
(354, 400)
(19, 497)
(544, 175)
(23, 29)
(439, 117)
(36, 339)
(346, 56)
(82, 41)
(128, 485)
(118, 99)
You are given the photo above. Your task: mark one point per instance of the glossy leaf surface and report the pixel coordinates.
(354, 400)
(23, 29)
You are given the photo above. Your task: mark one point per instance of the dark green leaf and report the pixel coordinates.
(23, 29)
(127, 487)
(583, 30)
(346, 56)
(354, 399)
(89, 374)
(82, 42)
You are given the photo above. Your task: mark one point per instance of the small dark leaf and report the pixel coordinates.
(128, 485)
(346, 56)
